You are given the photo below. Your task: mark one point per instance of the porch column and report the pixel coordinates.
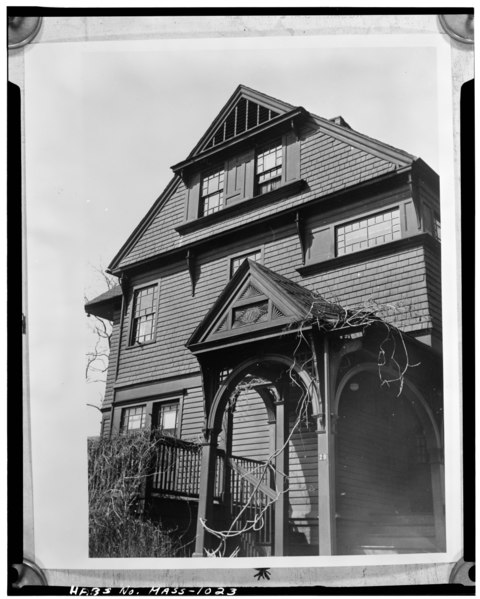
(281, 475)
(227, 491)
(206, 491)
(438, 496)
(326, 460)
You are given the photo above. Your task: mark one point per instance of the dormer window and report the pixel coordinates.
(268, 168)
(211, 198)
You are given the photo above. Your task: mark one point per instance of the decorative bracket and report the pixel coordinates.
(294, 128)
(191, 265)
(300, 233)
(412, 180)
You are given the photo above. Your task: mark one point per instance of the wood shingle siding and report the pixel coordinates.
(400, 279)
(327, 164)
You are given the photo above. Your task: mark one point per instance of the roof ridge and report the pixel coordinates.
(345, 131)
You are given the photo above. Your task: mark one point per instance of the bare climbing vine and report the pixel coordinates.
(392, 352)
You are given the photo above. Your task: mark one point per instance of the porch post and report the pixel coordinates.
(206, 491)
(326, 461)
(281, 475)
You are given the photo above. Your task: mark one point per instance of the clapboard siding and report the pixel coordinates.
(251, 436)
(192, 415)
(112, 361)
(378, 481)
(302, 468)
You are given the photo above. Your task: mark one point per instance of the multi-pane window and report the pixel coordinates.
(144, 312)
(133, 418)
(268, 168)
(368, 232)
(236, 262)
(437, 228)
(167, 418)
(211, 198)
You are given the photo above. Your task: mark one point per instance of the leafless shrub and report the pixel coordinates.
(118, 469)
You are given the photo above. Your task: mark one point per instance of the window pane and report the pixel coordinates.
(133, 418)
(144, 310)
(236, 262)
(212, 192)
(168, 418)
(368, 232)
(269, 168)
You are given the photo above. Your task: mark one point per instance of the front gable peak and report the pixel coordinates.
(245, 110)
(257, 299)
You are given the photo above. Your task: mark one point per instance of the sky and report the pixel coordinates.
(104, 123)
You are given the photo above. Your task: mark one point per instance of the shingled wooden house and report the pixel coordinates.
(278, 324)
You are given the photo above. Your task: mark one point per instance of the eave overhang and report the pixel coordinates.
(105, 305)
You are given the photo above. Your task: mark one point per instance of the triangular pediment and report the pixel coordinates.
(255, 300)
(246, 110)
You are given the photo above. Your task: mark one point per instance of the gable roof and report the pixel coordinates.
(245, 110)
(254, 284)
(335, 128)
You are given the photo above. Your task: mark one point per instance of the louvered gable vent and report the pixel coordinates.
(245, 115)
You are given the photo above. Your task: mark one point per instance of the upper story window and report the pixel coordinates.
(211, 195)
(237, 261)
(368, 232)
(268, 168)
(144, 314)
(264, 174)
(133, 418)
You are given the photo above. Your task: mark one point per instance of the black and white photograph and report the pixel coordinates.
(242, 290)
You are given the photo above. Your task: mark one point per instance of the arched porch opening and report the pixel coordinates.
(388, 471)
(263, 421)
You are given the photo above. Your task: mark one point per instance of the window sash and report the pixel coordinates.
(269, 168)
(168, 418)
(211, 199)
(133, 418)
(368, 232)
(144, 312)
(235, 263)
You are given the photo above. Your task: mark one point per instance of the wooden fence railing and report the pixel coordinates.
(251, 506)
(177, 465)
(241, 484)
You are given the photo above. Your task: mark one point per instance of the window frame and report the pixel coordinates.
(261, 149)
(246, 254)
(158, 404)
(220, 168)
(366, 217)
(144, 415)
(135, 289)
